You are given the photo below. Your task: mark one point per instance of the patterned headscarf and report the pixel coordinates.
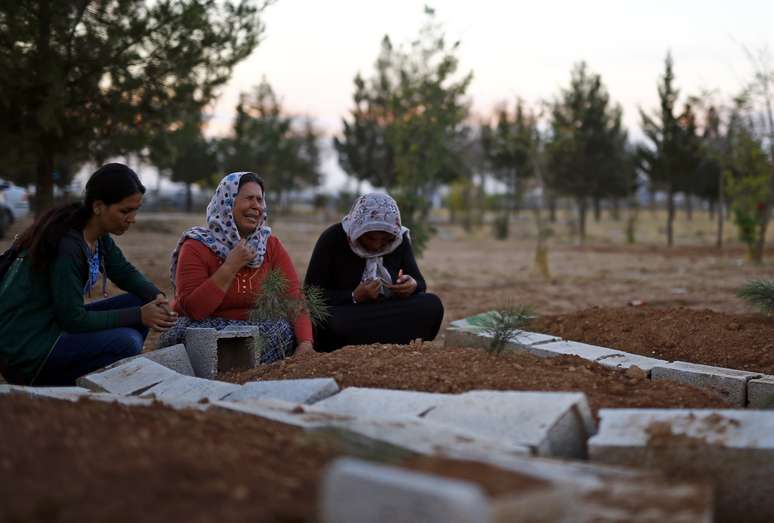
(373, 212)
(221, 233)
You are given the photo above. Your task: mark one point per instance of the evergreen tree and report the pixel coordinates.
(507, 146)
(586, 148)
(186, 156)
(661, 159)
(268, 141)
(407, 125)
(87, 80)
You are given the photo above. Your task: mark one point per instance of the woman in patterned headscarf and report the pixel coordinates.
(218, 270)
(372, 285)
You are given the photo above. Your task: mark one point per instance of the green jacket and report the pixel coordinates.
(36, 308)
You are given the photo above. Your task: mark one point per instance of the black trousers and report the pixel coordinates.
(397, 320)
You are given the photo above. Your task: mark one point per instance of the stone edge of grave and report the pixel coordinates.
(748, 389)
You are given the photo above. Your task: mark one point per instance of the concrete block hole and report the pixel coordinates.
(236, 354)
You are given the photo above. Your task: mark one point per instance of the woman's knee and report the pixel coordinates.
(128, 342)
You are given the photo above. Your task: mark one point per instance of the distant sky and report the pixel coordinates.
(312, 49)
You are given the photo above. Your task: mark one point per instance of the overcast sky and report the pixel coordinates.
(312, 49)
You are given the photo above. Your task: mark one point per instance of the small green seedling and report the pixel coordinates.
(502, 324)
(759, 294)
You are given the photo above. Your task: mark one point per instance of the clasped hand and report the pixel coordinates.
(157, 314)
(368, 291)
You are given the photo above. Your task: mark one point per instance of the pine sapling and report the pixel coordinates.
(502, 324)
(275, 303)
(759, 294)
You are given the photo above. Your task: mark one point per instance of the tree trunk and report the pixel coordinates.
(582, 212)
(597, 208)
(188, 198)
(721, 212)
(615, 209)
(551, 208)
(670, 216)
(44, 182)
(688, 207)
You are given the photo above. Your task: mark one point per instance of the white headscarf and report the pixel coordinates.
(221, 233)
(373, 212)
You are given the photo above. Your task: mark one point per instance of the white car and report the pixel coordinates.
(17, 201)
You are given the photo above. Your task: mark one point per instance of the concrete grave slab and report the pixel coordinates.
(295, 391)
(624, 360)
(129, 401)
(733, 449)
(367, 402)
(127, 377)
(212, 351)
(760, 393)
(61, 393)
(187, 389)
(571, 348)
(729, 384)
(550, 423)
(354, 491)
(431, 438)
(284, 412)
(174, 357)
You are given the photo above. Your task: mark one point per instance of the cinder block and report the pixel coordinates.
(550, 423)
(355, 491)
(186, 389)
(729, 384)
(571, 348)
(760, 393)
(212, 351)
(732, 449)
(174, 357)
(295, 391)
(624, 360)
(60, 393)
(127, 377)
(383, 403)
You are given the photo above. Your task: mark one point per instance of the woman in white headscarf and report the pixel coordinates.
(370, 279)
(218, 271)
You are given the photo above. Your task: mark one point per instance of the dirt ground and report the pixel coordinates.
(431, 367)
(737, 341)
(97, 462)
(93, 461)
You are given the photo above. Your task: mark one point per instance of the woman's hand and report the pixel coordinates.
(367, 291)
(304, 348)
(239, 256)
(157, 315)
(404, 286)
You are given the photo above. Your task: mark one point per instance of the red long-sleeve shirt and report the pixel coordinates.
(197, 296)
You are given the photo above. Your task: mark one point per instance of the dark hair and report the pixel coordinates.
(109, 184)
(250, 177)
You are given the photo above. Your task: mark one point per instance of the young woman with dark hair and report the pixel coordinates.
(48, 334)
